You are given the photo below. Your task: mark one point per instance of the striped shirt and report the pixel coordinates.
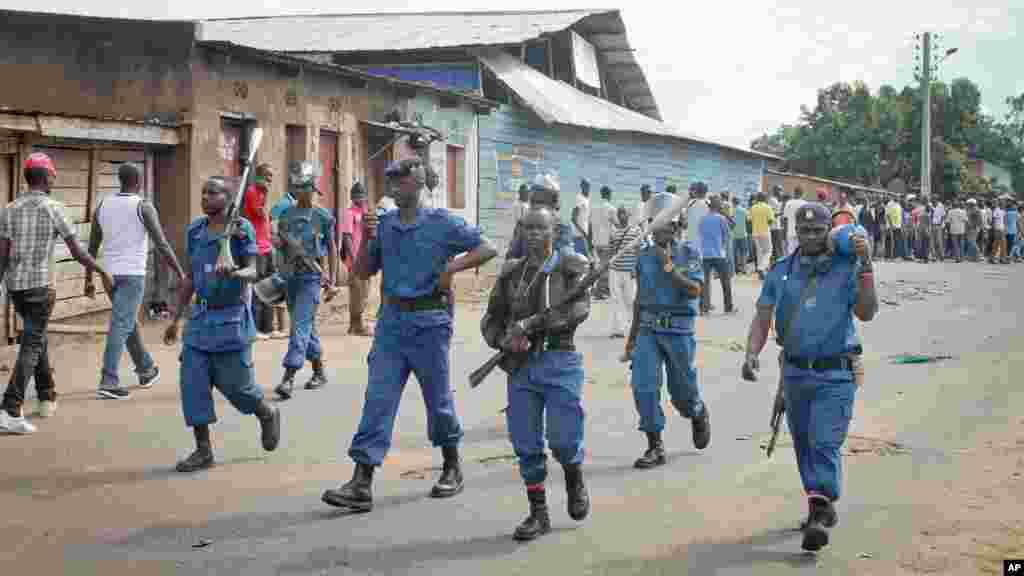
(621, 238)
(33, 223)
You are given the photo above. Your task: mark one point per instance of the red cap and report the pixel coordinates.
(40, 160)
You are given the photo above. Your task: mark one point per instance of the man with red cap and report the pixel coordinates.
(29, 228)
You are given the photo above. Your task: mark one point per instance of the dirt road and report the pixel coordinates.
(933, 477)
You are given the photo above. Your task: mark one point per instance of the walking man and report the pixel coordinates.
(123, 224)
(255, 211)
(814, 294)
(351, 241)
(938, 236)
(740, 240)
(217, 349)
(623, 273)
(545, 370)
(602, 218)
(306, 235)
(714, 233)
(661, 339)
(762, 218)
(581, 220)
(413, 247)
(29, 228)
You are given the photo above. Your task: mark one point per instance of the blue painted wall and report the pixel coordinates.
(515, 145)
(459, 76)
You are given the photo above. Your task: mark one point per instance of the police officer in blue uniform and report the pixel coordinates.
(413, 247)
(305, 235)
(217, 350)
(669, 280)
(545, 370)
(814, 294)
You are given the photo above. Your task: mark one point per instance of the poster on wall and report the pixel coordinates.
(516, 165)
(584, 58)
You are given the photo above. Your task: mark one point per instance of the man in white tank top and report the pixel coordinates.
(124, 223)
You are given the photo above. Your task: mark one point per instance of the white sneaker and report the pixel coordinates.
(12, 425)
(46, 408)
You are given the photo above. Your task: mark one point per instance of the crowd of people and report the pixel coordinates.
(814, 258)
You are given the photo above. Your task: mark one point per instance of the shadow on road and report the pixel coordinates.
(58, 484)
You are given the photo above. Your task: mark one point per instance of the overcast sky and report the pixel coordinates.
(725, 70)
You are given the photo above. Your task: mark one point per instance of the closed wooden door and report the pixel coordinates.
(329, 170)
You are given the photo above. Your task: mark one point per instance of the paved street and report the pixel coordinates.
(94, 490)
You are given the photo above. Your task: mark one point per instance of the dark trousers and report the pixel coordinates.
(725, 277)
(34, 306)
(263, 313)
(778, 241)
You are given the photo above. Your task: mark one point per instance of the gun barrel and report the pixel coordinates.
(480, 374)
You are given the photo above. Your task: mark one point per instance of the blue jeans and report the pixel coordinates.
(546, 393)
(818, 411)
(303, 299)
(406, 343)
(674, 352)
(124, 330)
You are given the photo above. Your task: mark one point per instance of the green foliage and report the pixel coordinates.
(854, 135)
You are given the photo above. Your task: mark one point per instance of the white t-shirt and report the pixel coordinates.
(583, 214)
(999, 219)
(791, 207)
(601, 217)
(639, 214)
(776, 206)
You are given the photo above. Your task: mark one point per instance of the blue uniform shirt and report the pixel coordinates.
(824, 328)
(221, 320)
(282, 205)
(657, 294)
(714, 230)
(413, 256)
(300, 225)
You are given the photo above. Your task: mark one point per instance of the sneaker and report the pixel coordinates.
(12, 425)
(113, 394)
(46, 408)
(148, 380)
(262, 336)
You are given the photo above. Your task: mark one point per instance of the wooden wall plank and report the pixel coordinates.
(109, 155)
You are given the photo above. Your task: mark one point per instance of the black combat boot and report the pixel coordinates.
(319, 379)
(655, 454)
(270, 425)
(537, 522)
(356, 494)
(450, 482)
(578, 501)
(701, 429)
(284, 389)
(821, 517)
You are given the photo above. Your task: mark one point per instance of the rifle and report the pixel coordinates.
(667, 215)
(224, 259)
(778, 409)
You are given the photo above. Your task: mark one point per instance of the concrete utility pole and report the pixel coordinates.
(926, 118)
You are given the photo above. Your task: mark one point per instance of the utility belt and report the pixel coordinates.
(821, 364)
(669, 320)
(555, 343)
(420, 303)
(201, 305)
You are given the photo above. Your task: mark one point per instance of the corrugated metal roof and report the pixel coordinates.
(556, 102)
(388, 32)
(318, 36)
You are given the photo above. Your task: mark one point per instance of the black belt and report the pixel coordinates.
(820, 364)
(556, 343)
(206, 305)
(419, 304)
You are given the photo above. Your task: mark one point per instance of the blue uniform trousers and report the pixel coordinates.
(818, 411)
(676, 353)
(230, 372)
(546, 391)
(404, 343)
(303, 299)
